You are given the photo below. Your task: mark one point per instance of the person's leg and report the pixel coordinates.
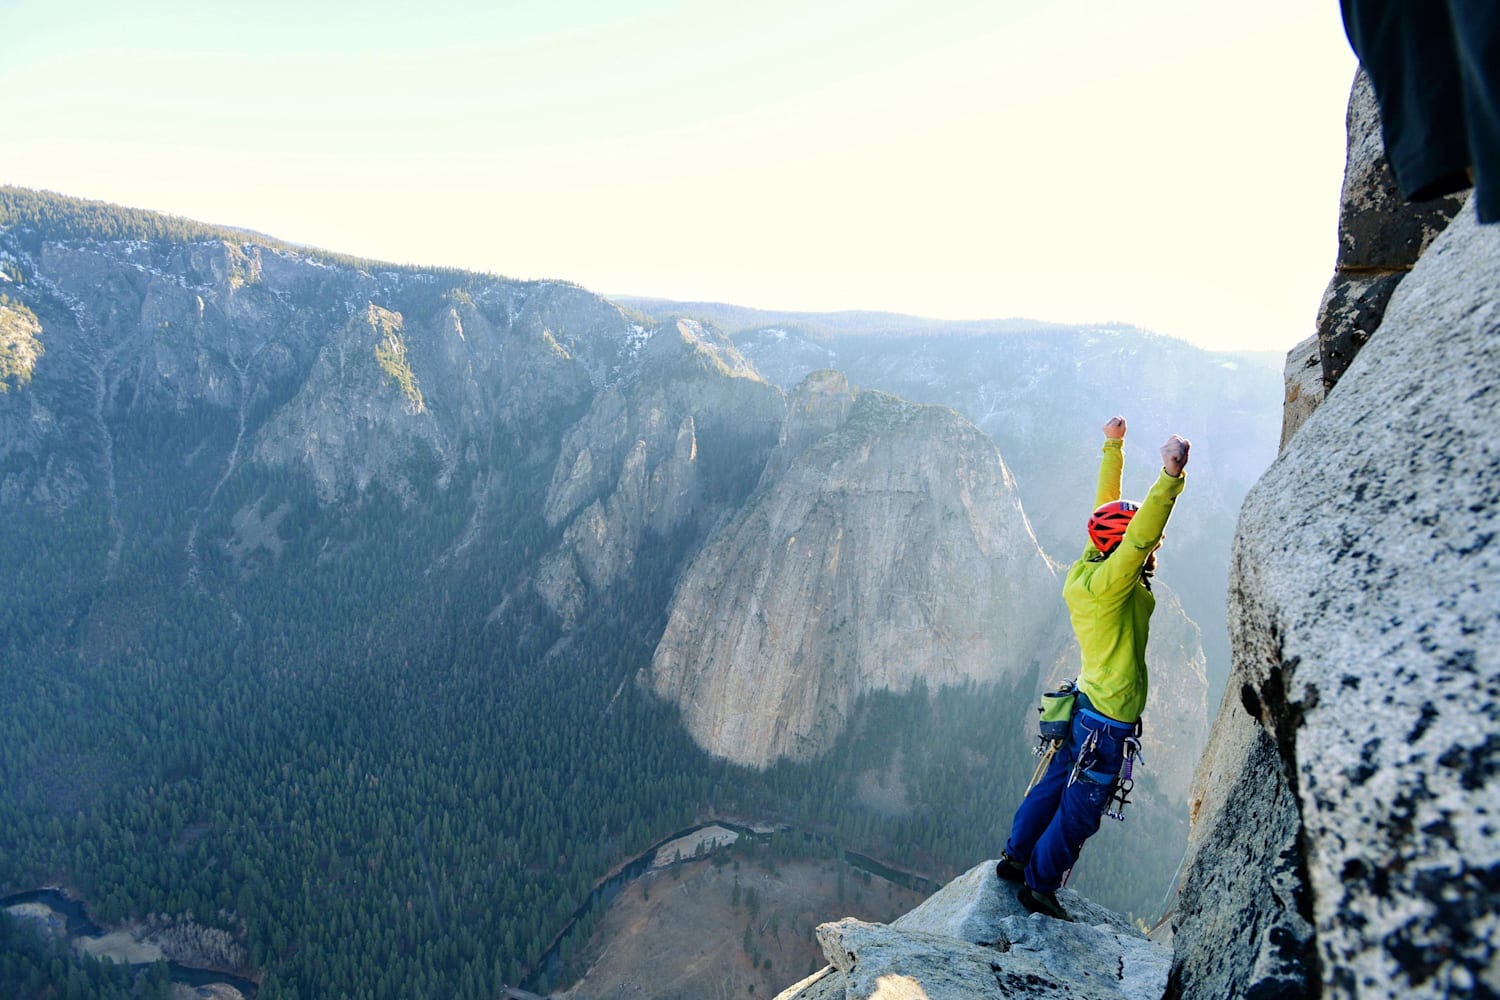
(1408, 50)
(1079, 811)
(1039, 806)
(1476, 32)
(1077, 819)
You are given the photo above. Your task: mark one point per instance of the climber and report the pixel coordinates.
(1108, 593)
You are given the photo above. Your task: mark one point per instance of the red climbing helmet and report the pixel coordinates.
(1107, 524)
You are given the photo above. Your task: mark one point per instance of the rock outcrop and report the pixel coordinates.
(1347, 810)
(891, 548)
(973, 940)
(1373, 666)
(1303, 380)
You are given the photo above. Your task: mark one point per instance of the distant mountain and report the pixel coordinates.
(1041, 391)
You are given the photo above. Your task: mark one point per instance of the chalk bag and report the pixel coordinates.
(1057, 711)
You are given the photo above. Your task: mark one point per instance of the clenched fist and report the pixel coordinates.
(1174, 454)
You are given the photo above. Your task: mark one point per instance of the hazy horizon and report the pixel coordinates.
(1175, 169)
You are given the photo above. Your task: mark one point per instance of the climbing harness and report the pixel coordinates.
(1121, 784)
(1057, 711)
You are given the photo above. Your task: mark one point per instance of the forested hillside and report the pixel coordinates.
(278, 656)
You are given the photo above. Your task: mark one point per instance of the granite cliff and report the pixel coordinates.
(473, 404)
(885, 545)
(1024, 382)
(671, 451)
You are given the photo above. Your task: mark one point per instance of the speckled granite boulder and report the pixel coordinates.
(1241, 924)
(1366, 579)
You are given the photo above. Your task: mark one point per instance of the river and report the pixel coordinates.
(77, 927)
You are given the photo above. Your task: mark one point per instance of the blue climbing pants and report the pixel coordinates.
(1063, 811)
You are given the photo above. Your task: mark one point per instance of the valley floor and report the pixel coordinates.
(686, 932)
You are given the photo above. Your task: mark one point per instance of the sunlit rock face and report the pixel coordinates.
(890, 547)
(1343, 831)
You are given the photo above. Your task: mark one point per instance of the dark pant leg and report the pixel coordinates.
(1039, 806)
(1077, 819)
(1476, 33)
(1079, 812)
(1407, 48)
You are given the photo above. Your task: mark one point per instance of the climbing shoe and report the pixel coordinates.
(1009, 868)
(1044, 903)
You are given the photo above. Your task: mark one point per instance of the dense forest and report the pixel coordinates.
(334, 749)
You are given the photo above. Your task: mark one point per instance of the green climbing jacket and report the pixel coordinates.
(1109, 602)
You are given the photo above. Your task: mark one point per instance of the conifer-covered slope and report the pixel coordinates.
(276, 651)
(325, 584)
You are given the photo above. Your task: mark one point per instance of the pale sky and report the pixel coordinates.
(1169, 163)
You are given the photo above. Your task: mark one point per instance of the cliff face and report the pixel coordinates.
(1346, 809)
(887, 548)
(344, 373)
(673, 449)
(1380, 238)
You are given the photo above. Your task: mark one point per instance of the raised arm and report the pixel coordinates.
(1112, 465)
(1119, 572)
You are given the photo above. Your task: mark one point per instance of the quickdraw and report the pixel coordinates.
(1086, 755)
(1125, 784)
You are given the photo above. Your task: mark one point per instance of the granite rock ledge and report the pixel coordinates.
(972, 939)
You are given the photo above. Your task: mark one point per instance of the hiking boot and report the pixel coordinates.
(1044, 903)
(1009, 868)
